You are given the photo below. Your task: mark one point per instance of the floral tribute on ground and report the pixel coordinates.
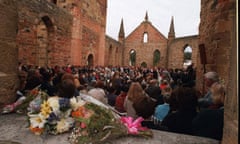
(87, 120)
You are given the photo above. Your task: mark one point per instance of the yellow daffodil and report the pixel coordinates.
(45, 109)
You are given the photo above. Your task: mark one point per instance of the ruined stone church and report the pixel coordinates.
(147, 46)
(73, 32)
(60, 32)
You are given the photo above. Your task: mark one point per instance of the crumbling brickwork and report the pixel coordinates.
(176, 49)
(217, 32)
(44, 33)
(8, 65)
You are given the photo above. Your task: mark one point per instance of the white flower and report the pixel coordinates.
(54, 103)
(64, 125)
(37, 120)
(75, 104)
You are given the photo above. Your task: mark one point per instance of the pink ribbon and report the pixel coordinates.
(133, 126)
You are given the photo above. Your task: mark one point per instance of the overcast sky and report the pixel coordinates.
(186, 14)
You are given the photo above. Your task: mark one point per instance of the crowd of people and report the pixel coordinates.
(167, 99)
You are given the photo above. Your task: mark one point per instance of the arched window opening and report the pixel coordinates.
(110, 49)
(43, 43)
(54, 1)
(90, 60)
(187, 58)
(156, 58)
(132, 59)
(47, 21)
(145, 37)
(144, 64)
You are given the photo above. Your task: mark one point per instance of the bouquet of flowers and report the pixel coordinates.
(53, 116)
(21, 105)
(90, 120)
(96, 123)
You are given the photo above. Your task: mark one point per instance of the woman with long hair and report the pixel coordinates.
(135, 93)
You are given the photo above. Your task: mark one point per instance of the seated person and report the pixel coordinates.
(218, 96)
(144, 108)
(66, 89)
(209, 79)
(154, 91)
(163, 109)
(121, 98)
(209, 122)
(98, 92)
(111, 96)
(185, 109)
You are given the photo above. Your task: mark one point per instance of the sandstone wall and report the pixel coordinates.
(114, 52)
(92, 15)
(217, 32)
(44, 33)
(8, 50)
(176, 51)
(145, 51)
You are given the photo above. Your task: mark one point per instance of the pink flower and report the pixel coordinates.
(83, 125)
(133, 126)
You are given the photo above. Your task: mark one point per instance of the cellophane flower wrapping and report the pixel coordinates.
(96, 123)
(32, 102)
(86, 119)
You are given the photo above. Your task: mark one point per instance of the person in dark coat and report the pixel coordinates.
(180, 121)
(209, 122)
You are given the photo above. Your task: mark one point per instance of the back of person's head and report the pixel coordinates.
(218, 93)
(166, 93)
(186, 98)
(144, 107)
(212, 76)
(164, 81)
(153, 82)
(67, 76)
(125, 88)
(47, 76)
(66, 89)
(167, 90)
(111, 90)
(99, 84)
(135, 91)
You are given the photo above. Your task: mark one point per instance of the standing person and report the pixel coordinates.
(134, 94)
(209, 78)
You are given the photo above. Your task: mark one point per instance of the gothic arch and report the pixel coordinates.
(45, 31)
(132, 57)
(156, 57)
(187, 55)
(110, 54)
(90, 60)
(144, 64)
(145, 37)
